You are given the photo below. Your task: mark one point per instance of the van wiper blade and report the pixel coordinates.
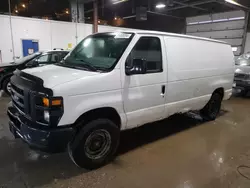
(87, 65)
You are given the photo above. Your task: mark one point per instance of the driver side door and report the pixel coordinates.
(144, 94)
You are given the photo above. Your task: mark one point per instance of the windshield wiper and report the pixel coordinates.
(87, 65)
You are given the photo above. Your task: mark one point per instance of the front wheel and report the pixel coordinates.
(212, 108)
(95, 144)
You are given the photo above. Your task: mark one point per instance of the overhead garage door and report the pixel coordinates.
(227, 26)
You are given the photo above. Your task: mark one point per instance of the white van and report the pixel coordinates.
(116, 81)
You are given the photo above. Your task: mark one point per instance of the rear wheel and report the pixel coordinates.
(7, 86)
(95, 144)
(212, 108)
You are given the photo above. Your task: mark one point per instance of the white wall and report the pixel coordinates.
(24, 28)
(5, 39)
(50, 34)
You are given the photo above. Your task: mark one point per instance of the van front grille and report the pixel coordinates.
(17, 96)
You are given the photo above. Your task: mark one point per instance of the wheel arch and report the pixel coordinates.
(102, 112)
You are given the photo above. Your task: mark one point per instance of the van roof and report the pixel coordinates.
(170, 34)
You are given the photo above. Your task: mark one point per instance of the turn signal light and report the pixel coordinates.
(54, 102)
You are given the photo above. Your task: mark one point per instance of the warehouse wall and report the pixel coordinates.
(49, 34)
(5, 42)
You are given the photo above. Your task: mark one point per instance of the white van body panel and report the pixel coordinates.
(196, 68)
(193, 68)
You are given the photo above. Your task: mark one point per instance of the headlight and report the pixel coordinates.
(46, 116)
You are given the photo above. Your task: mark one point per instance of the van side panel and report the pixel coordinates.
(195, 69)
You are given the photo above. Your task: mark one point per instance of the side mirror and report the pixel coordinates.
(33, 63)
(139, 66)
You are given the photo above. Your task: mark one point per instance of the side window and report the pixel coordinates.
(149, 49)
(55, 58)
(43, 59)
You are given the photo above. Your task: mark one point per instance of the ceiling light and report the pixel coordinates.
(23, 5)
(118, 1)
(160, 5)
(233, 2)
(237, 4)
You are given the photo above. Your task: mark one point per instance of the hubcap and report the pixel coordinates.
(9, 87)
(97, 144)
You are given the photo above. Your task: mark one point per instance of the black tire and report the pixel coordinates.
(5, 85)
(80, 150)
(212, 108)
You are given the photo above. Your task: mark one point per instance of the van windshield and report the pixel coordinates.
(98, 52)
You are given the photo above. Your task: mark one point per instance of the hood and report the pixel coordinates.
(54, 75)
(11, 64)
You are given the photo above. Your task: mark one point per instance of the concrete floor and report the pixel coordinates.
(180, 152)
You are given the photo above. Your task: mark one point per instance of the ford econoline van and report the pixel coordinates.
(115, 81)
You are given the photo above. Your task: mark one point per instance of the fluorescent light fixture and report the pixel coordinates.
(215, 21)
(220, 20)
(209, 21)
(160, 5)
(118, 1)
(193, 23)
(233, 2)
(237, 18)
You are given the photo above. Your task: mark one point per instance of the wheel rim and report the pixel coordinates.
(97, 144)
(9, 87)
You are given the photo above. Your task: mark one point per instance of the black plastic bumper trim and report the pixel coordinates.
(50, 140)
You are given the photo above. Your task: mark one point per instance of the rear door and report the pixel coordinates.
(144, 94)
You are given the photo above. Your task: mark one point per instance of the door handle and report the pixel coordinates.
(163, 89)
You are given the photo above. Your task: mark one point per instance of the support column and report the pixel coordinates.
(95, 24)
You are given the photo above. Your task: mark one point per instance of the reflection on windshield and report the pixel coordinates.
(99, 52)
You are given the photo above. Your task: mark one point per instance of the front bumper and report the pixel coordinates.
(52, 140)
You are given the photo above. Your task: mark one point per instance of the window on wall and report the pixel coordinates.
(149, 49)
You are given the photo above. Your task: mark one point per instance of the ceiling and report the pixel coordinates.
(170, 18)
(178, 8)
